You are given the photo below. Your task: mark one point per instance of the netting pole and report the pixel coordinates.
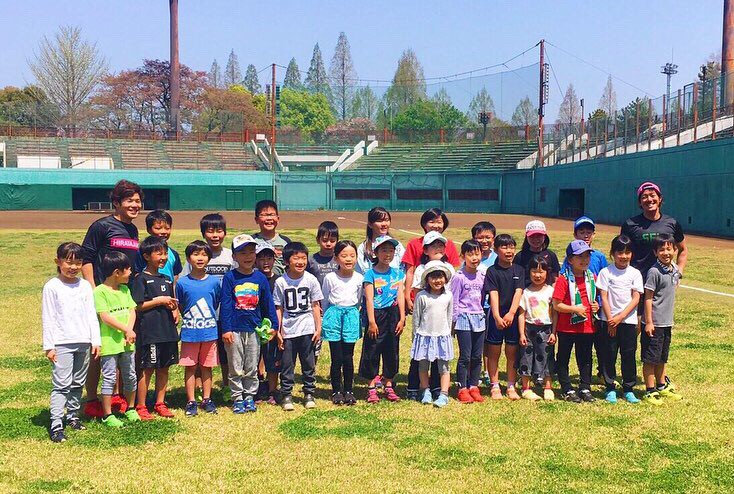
(677, 139)
(606, 134)
(272, 114)
(649, 124)
(665, 120)
(695, 112)
(175, 69)
(541, 104)
(713, 112)
(637, 125)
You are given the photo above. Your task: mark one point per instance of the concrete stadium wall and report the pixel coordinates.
(189, 190)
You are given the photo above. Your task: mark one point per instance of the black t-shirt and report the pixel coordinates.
(106, 235)
(271, 282)
(643, 231)
(155, 325)
(505, 281)
(523, 258)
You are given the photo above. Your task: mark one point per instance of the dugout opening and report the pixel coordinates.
(91, 199)
(571, 203)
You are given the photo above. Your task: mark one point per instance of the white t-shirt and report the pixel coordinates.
(219, 265)
(296, 297)
(344, 292)
(619, 283)
(536, 305)
(68, 314)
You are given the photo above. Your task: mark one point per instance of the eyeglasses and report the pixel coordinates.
(271, 215)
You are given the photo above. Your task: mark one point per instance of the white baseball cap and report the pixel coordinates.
(241, 241)
(432, 236)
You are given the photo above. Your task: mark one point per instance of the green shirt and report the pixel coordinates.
(117, 303)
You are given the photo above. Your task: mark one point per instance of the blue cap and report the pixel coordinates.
(583, 219)
(577, 247)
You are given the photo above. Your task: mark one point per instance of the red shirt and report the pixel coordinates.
(563, 295)
(414, 251)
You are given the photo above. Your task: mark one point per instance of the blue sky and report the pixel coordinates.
(630, 39)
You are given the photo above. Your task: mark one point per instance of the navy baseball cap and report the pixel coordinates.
(576, 248)
(583, 220)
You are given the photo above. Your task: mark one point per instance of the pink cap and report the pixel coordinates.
(535, 226)
(648, 186)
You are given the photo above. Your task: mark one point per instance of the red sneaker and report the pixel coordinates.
(476, 394)
(93, 409)
(143, 413)
(390, 394)
(119, 404)
(162, 410)
(465, 396)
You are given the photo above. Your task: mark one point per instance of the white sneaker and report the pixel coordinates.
(548, 395)
(529, 394)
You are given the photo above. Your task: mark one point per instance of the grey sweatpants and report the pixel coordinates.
(126, 362)
(243, 356)
(68, 376)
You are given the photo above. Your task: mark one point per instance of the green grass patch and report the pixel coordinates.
(344, 423)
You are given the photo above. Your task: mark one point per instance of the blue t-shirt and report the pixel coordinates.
(489, 261)
(246, 300)
(172, 268)
(598, 262)
(386, 286)
(200, 301)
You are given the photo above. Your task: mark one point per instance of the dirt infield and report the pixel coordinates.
(244, 220)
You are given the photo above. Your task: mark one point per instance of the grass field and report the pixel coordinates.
(521, 447)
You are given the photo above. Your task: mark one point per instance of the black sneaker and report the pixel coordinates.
(349, 398)
(287, 403)
(337, 398)
(586, 396)
(57, 435)
(309, 401)
(571, 396)
(208, 406)
(76, 424)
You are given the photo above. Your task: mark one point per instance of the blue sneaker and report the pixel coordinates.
(208, 406)
(631, 398)
(441, 401)
(427, 397)
(249, 405)
(191, 409)
(238, 407)
(611, 396)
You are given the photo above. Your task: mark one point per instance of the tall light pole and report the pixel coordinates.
(669, 69)
(175, 72)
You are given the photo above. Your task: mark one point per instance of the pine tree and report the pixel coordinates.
(232, 72)
(316, 79)
(251, 82)
(292, 76)
(343, 77)
(481, 102)
(525, 113)
(215, 75)
(408, 83)
(608, 100)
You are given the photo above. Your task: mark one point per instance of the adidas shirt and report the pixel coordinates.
(199, 301)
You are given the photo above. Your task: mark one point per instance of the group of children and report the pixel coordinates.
(258, 307)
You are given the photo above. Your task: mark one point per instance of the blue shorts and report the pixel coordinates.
(495, 336)
(341, 324)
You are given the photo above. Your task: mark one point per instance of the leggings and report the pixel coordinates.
(469, 365)
(342, 364)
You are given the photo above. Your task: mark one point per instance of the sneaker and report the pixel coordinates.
(485, 379)
(337, 398)
(378, 382)
(464, 396)
(287, 403)
(669, 393)
(93, 409)
(208, 406)
(112, 421)
(611, 396)
(496, 393)
(309, 402)
(512, 393)
(548, 395)
(441, 401)
(162, 410)
(586, 396)
(653, 398)
(119, 404)
(132, 416)
(76, 424)
(631, 398)
(571, 396)
(427, 397)
(390, 394)
(238, 407)
(57, 435)
(249, 404)
(412, 395)
(143, 413)
(191, 409)
(349, 398)
(372, 396)
(529, 394)
(476, 395)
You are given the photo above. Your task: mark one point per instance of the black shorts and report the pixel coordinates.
(655, 349)
(156, 355)
(272, 355)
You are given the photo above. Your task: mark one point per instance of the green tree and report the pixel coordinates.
(316, 79)
(343, 77)
(365, 103)
(481, 102)
(215, 75)
(28, 107)
(408, 83)
(251, 82)
(308, 112)
(232, 72)
(525, 113)
(426, 117)
(292, 76)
